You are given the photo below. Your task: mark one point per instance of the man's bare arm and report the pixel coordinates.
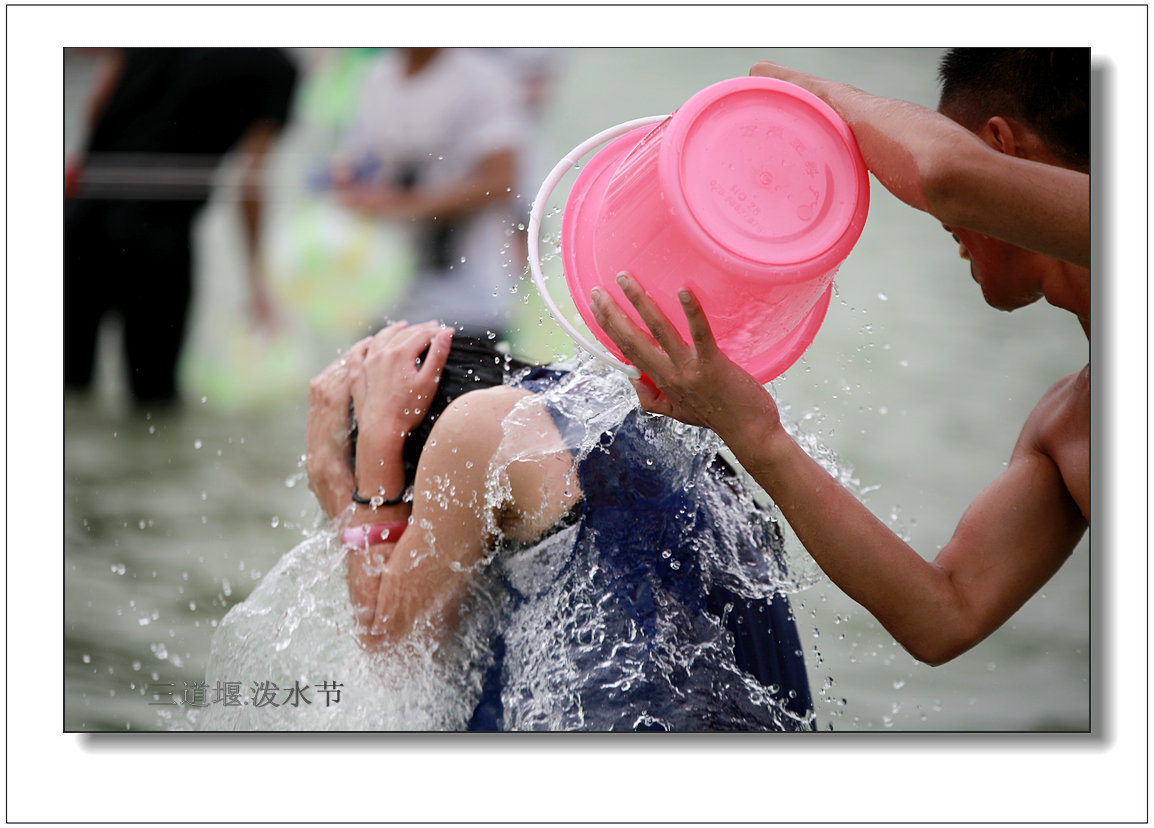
(942, 168)
(1010, 540)
(491, 181)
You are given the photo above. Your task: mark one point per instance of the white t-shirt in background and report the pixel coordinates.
(431, 130)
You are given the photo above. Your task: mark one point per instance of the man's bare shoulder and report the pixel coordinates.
(1066, 405)
(1059, 428)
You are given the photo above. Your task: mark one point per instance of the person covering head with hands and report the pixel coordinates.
(1004, 166)
(637, 584)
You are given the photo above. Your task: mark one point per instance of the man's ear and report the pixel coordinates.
(999, 133)
(1013, 137)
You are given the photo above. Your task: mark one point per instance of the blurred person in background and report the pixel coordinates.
(160, 123)
(436, 145)
(536, 70)
(1004, 165)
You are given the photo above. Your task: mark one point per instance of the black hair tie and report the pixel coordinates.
(378, 500)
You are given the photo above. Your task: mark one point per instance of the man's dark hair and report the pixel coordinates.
(1047, 89)
(473, 363)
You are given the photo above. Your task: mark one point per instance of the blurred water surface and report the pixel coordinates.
(913, 382)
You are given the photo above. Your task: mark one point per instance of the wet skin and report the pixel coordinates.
(1019, 531)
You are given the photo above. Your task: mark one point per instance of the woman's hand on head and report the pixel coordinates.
(391, 393)
(694, 382)
(328, 447)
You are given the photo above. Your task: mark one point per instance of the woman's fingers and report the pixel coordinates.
(389, 336)
(419, 338)
(331, 390)
(337, 371)
(439, 348)
(429, 343)
(393, 390)
(403, 340)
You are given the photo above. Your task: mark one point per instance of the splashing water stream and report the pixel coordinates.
(295, 632)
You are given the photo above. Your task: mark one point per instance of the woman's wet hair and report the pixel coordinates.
(474, 363)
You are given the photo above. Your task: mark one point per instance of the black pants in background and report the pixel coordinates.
(133, 259)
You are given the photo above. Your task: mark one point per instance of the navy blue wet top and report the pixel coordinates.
(653, 607)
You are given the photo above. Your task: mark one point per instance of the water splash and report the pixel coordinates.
(297, 628)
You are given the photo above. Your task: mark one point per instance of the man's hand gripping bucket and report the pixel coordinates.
(752, 194)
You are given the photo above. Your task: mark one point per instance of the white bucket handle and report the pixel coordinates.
(534, 232)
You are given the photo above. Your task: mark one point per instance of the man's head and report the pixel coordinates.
(1029, 103)
(1045, 90)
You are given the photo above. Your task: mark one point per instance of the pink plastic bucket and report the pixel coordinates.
(752, 194)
